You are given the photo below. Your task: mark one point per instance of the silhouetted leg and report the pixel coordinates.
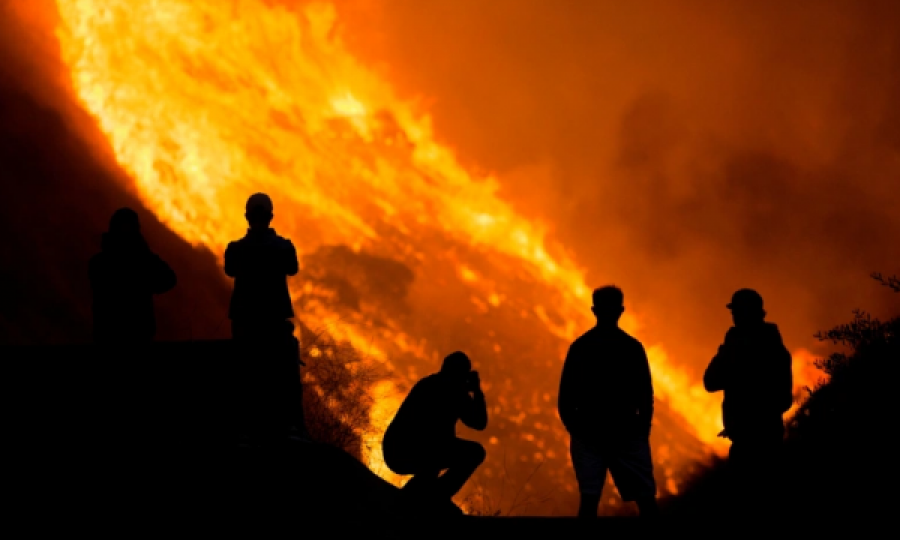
(589, 505)
(742, 494)
(462, 458)
(590, 472)
(776, 476)
(271, 352)
(295, 384)
(423, 484)
(756, 475)
(631, 467)
(648, 507)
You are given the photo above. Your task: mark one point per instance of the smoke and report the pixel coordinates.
(681, 150)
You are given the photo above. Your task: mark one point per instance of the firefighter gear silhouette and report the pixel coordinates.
(753, 369)
(606, 404)
(260, 313)
(421, 440)
(124, 277)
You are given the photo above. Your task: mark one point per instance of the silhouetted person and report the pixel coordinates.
(260, 264)
(606, 404)
(421, 440)
(124, 276)
(753, 368)
(260, 313)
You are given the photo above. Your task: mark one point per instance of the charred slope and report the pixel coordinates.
(155, 431)
(56, 196)
(55, 201)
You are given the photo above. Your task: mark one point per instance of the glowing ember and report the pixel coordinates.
(207, 101)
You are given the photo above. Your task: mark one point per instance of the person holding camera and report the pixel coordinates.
(421, 440)
(261, 311)
(606, 405)
(124, 277)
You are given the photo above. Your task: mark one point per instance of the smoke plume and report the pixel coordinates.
(682, 150)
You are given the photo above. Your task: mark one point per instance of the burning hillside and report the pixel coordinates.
(406, 254)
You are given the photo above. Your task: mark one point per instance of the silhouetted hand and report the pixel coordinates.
(474, 382)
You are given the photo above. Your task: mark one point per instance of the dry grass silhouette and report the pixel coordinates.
(483, 503)
(336, 398)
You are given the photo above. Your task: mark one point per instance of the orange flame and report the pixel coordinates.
(207, 101)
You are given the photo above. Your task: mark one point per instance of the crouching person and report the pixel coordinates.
(421, 440)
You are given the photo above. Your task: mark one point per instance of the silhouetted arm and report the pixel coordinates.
(566, 401)
(162, 276)
(94, 275)
(474, 413)
(232, 260)
(292, 266)
(716, 376)
(644, 388)
(784, 374)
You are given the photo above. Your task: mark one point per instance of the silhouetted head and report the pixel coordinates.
(457, 365)
(124, 234)
(609, 304)
(260, 211)
(124, 222)
(124, 231)
(746, 307)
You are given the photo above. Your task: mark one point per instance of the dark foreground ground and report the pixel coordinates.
(151, 439)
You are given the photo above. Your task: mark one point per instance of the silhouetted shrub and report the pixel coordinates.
(336, 397)
(840, 442)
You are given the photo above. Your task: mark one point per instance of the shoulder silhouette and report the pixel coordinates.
(124, 276)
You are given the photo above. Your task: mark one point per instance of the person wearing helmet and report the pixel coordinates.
(753, 369)
(260, 313)
(124, 277)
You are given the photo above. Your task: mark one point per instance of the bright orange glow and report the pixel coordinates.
(806, 375)
(207, 101)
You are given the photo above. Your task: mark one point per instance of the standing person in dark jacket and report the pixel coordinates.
(421, 440)
(124, 276)
(260, 313)
(606, 404)
(260, 264)
(753, 369)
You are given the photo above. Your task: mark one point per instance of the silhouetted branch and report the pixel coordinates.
(337, 394)
(893, 282)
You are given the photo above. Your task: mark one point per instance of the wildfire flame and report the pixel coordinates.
(207, 101)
